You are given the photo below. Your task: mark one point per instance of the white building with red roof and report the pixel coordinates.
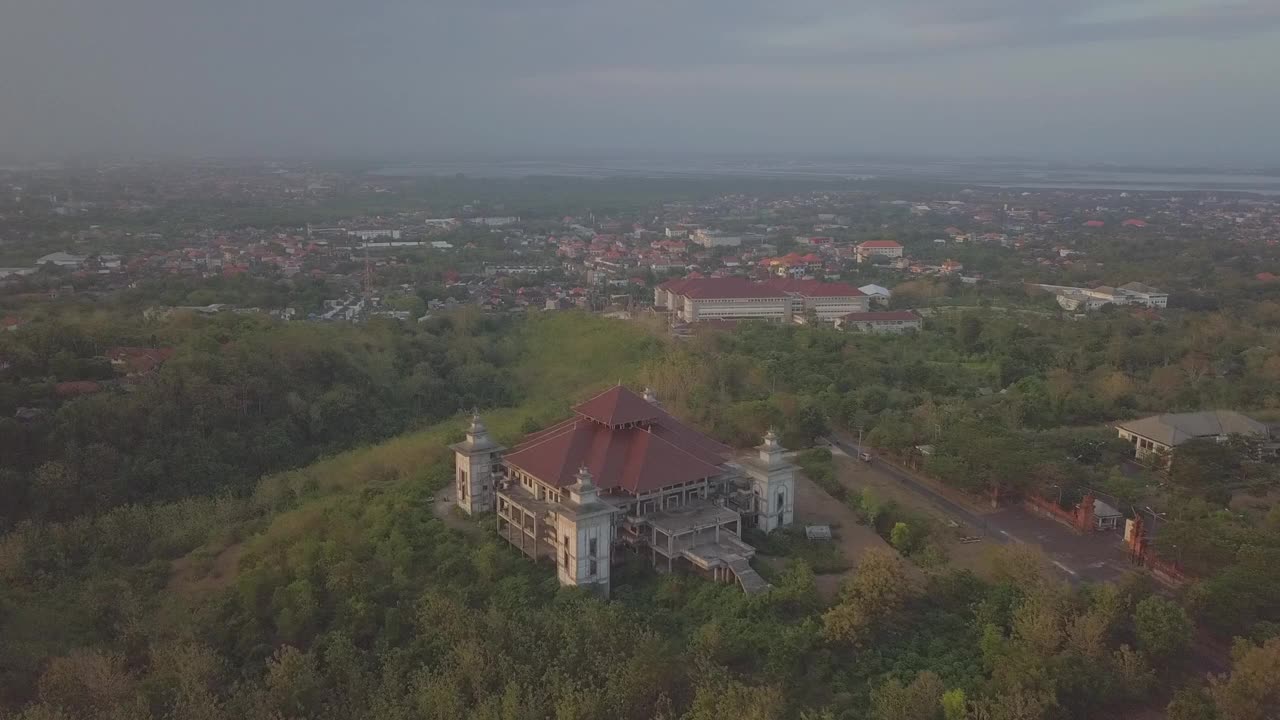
(881, 248)
(778, 300)
(623, 473)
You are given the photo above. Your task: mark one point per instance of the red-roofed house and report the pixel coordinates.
(622, 472)
(1095, 224)
(11, 323)
(882, 248)
(138, 360)
(72, 388)
(1134, 222)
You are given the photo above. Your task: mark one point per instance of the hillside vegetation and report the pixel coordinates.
(332, 590)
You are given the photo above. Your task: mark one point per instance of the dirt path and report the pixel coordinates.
(442, 506)
(814, 506)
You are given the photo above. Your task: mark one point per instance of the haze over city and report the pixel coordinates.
(1169, 80)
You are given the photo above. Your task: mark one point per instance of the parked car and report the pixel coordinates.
(864, 456)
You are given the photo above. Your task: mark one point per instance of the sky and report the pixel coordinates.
(1088, 80)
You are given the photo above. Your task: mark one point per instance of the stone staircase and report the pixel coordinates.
(747, 576)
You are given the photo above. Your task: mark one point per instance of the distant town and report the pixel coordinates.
(783, 250)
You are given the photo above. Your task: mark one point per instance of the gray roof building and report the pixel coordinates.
(1173, 429)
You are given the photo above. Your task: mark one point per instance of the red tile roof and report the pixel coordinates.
(651, 450)
(880, 244)
(732, 288)
(815, 288)
(617, 406)
(720, 288)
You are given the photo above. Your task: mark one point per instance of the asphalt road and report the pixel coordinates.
(1097, 557)
(957, 511)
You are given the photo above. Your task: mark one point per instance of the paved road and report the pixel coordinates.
(1097, 557)
(955, 510)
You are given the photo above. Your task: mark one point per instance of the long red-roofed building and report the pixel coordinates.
(621, 471)
(779, 299)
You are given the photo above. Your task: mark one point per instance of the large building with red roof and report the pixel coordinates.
(622, 473)
(779, 299)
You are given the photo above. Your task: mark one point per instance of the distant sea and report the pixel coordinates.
(1010, 174)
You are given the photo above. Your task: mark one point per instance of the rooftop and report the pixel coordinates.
(1176, 428)
(690, 518)
(625, 442)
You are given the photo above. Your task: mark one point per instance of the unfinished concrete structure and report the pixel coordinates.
(622, 474)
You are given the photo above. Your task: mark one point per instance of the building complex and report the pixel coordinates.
(1134, 293)
(623, 475)
(779, 299)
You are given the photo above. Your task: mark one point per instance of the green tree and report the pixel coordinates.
(1163, 629)
(1250, 692)
(1191, 703)
(878, 587)
(920, 700)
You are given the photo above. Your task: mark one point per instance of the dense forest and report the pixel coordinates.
(237, 397)
(328, 587)
(1016, 403)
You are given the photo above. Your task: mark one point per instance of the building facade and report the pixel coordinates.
(1154, 438)
(715, 238)
(778, 300)
(623, 475)
(891, 321)
(881, 248)
(1078, 299)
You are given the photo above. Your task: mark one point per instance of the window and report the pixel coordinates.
(591, 547)
(591, 567)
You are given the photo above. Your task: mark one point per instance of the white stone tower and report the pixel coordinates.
(477, 463)
(584, 536)
(773, 483)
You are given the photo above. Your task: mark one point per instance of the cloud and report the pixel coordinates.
(271, 75)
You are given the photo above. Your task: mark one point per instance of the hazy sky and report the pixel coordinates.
(1174, 79)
